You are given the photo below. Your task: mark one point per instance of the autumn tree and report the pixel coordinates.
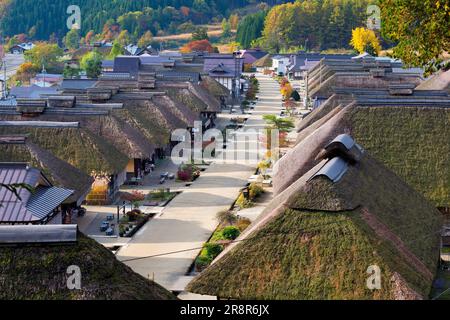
(44, 54)
(420, 29)
(365, 40)
(124, 38)
(25, 72)
(89, 36)
(145, 40)
(197, 46)
(234, 21)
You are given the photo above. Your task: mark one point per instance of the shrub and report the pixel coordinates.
(230, 233)
(243, 223)
(202, 262)
(212, 250)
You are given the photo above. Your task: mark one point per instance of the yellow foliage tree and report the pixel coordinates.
(365, 40)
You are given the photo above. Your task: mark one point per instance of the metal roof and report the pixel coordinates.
(334, 169)
(32, 234)
(45, 199)
(28, 207)
(344, 139)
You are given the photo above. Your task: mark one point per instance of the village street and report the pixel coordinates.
(190, 219)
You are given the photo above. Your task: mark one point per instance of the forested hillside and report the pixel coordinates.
(315, 24)
(47, 17)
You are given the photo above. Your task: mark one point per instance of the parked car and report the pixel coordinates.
(171, 176)
(104, 226)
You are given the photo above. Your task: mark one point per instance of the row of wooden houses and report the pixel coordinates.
(111, 129)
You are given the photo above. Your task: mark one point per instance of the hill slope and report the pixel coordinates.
(50, 16)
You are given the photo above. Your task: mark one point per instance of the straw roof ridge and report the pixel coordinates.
(302, 157)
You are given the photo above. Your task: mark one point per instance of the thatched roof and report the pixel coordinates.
(81, 148)
(317, 238)
(186, 97)
(264, 62)
(302, 157)
(39, 273)
(151, 121)
(203, 94)
(60, 173)
(439, 81)
(214, 87)
(329, 74)
(182, 116)
(409, 134)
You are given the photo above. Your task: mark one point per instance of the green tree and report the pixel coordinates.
(419, 27)
(70, 73)
(281, 124)
(72, 39)
(116, 50)
(91, 62)
(226, 29)
(201, 33)
(250, 28)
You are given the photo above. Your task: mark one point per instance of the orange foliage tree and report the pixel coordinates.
(197, 46)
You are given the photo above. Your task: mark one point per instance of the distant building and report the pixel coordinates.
(301, 63)
(250, 56)
(280, 63)
(42, 206)
(225, 69)
(21, 48)
(134, 50)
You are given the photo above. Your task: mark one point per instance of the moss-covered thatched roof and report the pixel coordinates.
(152, 122)
(59, 172)
(317, 238)
(214, 87)
(39, 273)
(414, 142)
(81, 148)
(185, 97)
